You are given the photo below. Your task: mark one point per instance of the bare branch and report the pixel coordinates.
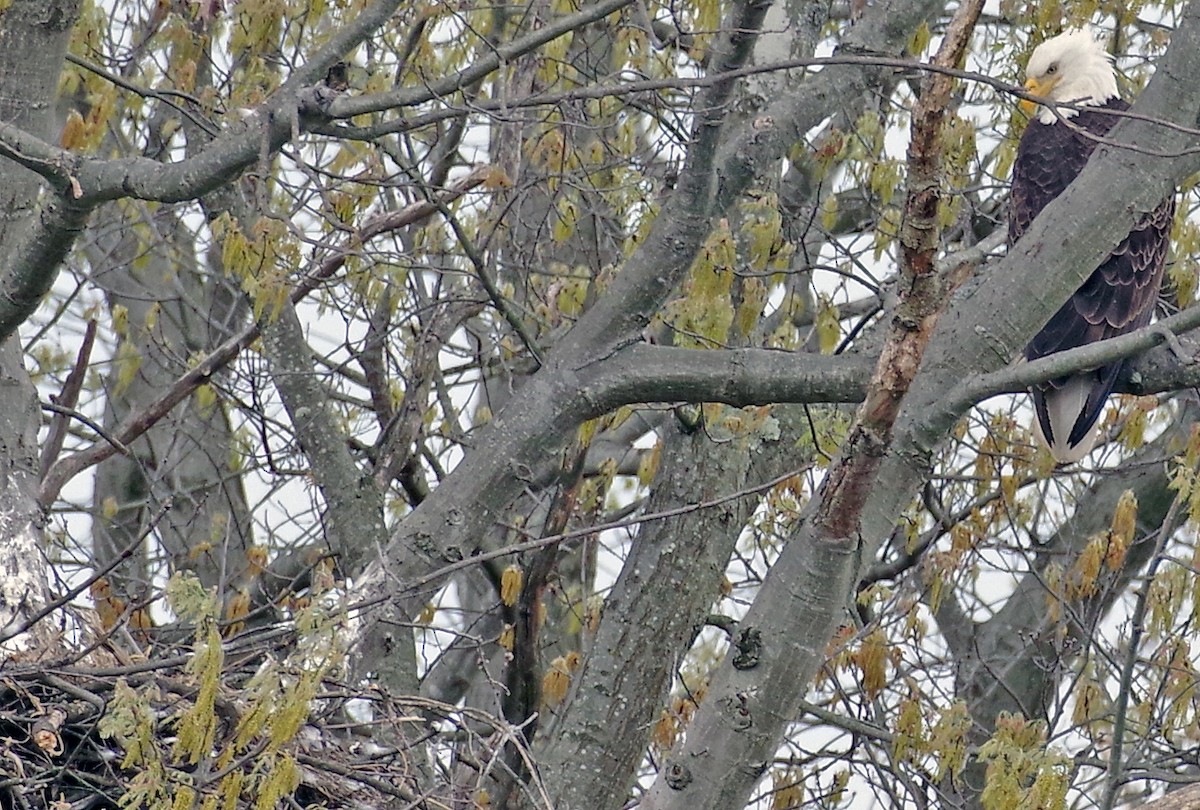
(750, 703)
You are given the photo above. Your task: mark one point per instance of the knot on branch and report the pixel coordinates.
(315, 101)
(747, 648)
(738, 712)
(678, 775)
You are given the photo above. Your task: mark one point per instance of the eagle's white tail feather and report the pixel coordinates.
(1063, 407)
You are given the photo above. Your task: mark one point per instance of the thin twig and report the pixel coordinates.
(139, 422)
(1113, 782)
(494, 106)
(67, 399)
(145, 92)
(502, 304)
(60, 410)
(541, 542)
(50, 607)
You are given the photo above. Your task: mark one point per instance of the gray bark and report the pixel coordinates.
(81, 184)
(657, 606)
(33, 42)
(536, 424)
(185, 459)
(592, 746)
(742, 720)
(519, 446)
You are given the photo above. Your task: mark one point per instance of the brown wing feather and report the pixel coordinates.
(1120, 295)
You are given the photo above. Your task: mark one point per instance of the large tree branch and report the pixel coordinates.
(31, 263)
(983, 331)
(519, 446)
(83, 183)
(28, 270)
(1144, 377)
(523, 443)
(656, 607)
(741, 377)
(643, 373)
(667, 582)
(752, 700)
(292, 109)
(34, 36)
(138, 422)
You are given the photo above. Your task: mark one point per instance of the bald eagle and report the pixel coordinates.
(1120, 295)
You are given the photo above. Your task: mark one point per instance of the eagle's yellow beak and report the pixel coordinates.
(1038, 87)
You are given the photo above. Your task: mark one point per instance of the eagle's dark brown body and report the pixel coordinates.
(1118, 297)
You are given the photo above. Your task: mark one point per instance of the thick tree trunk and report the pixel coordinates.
(33, 43)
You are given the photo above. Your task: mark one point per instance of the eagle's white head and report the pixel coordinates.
(1072, 67)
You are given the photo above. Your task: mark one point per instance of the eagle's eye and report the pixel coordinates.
(1050, 71)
